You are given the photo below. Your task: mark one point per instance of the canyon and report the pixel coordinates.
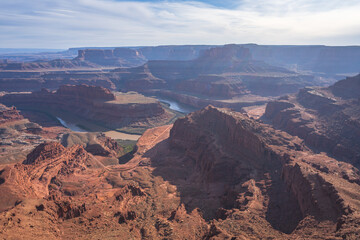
(99, 106)
(326, 118)
(317, 58)
(225, 76)
(214, 174)
(269, 147)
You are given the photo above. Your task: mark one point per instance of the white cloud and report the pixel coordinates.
(69, 23)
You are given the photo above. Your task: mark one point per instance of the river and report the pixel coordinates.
(176, 106)
(70, 126)
(111, 134)
(119, 135)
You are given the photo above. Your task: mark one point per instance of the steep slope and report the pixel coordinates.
(327, 119)
(215, 174)
(118, 57)
(45, 170)
(18, 135)
(329, 60)
(240, 169)
(24, 81)
(45, 65)
(95, 104)
(224, 72)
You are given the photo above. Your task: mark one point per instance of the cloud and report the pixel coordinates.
(69, 23)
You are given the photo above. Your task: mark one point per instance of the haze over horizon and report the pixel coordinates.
(110, 23)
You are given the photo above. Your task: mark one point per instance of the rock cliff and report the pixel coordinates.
(18, 135)
(220, 72)
(326, 118)
(239, 165)
(45, 65)
(94, 103)
(24, 81)
(214, 174)
(9, 114)
(95, 143)
(118, 57)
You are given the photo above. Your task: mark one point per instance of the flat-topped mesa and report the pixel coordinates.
(94, 54)
(86, 92)
(227, 52)
(97, 105)
(53, 64)
(120, 57)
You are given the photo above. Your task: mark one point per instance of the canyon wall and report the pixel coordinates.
(326, 118)
(97, 104)
(214, 174)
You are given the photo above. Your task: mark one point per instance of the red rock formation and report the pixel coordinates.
(42, 173)
(95, 104)
(216, 174)
(213, 86)
(221, 72)
(85, 92)
(44, 151)
(9, 114)
(221, 147)
(326, 118)
(95, 143)
(24, 81)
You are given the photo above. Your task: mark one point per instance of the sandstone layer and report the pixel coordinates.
(118, 57)
(326, 118)
(221, 73)
(18, 135)
(215, 174)
(96, 104)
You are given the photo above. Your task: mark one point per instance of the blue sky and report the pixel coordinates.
(75, 23)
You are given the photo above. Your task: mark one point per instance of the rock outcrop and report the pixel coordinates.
(329, 60)
(220, 72)
(237, 167)
(118, 57)
(326, 118)
(348, 88)
(95, 143)
(95, 104)
(18, 135)
(43, 152)
(48, 65)
(45, 172)
(25, 81)
(85, 92)
(214, 174)
(9, 114)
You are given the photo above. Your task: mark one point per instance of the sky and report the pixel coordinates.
(62, 24)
